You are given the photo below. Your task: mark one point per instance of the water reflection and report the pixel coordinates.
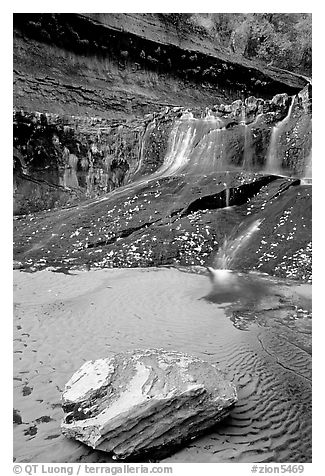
(245, 288)
(257, 298)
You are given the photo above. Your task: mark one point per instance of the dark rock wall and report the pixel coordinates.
(60, 160)
(54, 73)
(75, 64)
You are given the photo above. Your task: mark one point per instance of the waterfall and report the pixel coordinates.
(230, 247)
(198, 145)
(307, 179)
(227, 196)
(247, 156)
(69, 178)
(308, 166)
(227, 190)
(143, 140)
(272, 160)
(180, 146)
(202, 145)
(243, 116)
(195, 146)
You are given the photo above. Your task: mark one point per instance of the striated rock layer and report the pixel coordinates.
(119, 65)
(144, 401)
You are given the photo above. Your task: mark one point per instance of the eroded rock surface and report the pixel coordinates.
(144, 401)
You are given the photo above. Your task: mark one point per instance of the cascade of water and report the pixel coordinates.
(247, 163)
(214, 156)
(195, 146)
(271, 158)
(230, 247)
(227, 196)
(213, 121)
(272, 161)
(256, 119)
(244, 125)
(227, 189)
(181, 144)
(208, 115)
(243, 116)
(187, 115)
(247, 148)
(143, 140)
(308, 166)
(69, 178)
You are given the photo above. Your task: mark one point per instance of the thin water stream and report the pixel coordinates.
(273, 165)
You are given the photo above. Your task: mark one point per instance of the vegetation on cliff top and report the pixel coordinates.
(283, 40)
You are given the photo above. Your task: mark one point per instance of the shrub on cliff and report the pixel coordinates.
(282, 40)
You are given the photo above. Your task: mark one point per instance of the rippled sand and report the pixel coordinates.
(61, 321)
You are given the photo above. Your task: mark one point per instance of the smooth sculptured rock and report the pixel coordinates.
(144, 401)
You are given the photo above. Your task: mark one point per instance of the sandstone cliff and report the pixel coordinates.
(108, 100)
(121, 65)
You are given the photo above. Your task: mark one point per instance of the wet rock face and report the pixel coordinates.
(62, 160)
(58, 142)
(144, 402)
(295, 142)
(173, 221)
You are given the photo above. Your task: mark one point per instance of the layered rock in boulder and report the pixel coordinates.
(144, 401)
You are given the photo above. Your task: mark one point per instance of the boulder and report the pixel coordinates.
(236, 107)
(280, 100)
(17, 264)
(144, 401)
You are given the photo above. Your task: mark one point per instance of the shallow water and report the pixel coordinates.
(263, 346)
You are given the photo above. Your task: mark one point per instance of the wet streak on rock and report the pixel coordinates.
(122, 234)
(237, 196)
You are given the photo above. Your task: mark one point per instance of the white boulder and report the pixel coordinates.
(144, 401)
